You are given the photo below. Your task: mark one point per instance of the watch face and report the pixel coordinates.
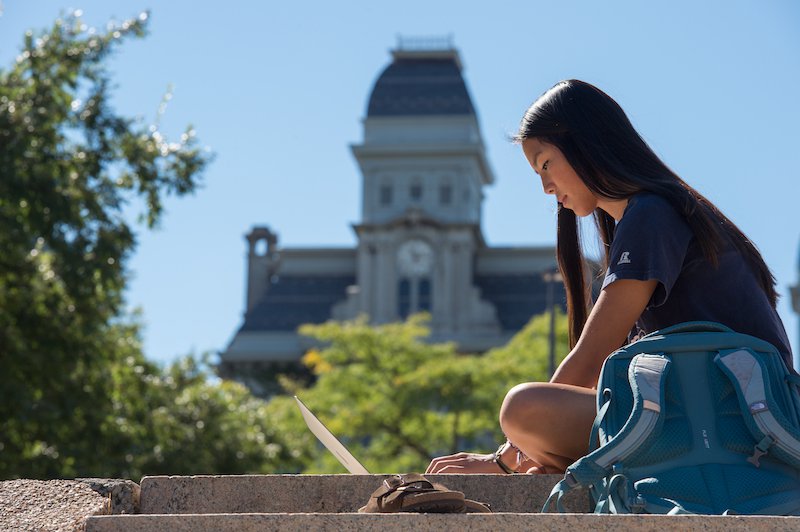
(415, 258)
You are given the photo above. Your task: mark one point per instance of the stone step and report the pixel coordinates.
(242, 494)
(434, 522)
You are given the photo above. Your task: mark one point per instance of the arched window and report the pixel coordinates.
(424, 292)
(415, 192)
(403, 298)
(385, 194)
(413, 295)
(445, 194)
(261, 247)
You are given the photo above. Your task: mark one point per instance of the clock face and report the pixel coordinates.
(415, 258)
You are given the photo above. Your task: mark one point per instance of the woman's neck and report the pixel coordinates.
(616, 208)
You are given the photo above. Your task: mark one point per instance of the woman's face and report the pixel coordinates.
(558, 177)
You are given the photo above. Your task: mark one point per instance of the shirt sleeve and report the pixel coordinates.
(650, 242)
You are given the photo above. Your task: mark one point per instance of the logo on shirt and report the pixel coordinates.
(624, 258)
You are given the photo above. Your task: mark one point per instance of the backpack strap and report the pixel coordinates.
(646, 374)
(691, 327)
(594, 434)
(793, 379)
(770, 428)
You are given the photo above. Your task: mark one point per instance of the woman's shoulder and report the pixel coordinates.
(648, 200)
(648, 206)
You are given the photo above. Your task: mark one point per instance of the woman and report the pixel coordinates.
(671, 257)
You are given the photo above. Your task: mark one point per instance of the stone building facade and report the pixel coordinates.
(420, 243)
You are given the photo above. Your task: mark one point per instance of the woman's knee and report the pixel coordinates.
(544, 404)
(523, 403)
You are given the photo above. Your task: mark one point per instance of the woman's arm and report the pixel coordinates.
(619, 306)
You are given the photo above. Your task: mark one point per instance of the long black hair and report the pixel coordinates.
(614, 162)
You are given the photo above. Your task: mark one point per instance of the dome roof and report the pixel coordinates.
(421, 83)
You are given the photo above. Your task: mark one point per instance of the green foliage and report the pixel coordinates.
(525, 358)
(77, 396)
(397, 401)
(68, 166)
(183, 421)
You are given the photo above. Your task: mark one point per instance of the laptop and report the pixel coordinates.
(330, 442)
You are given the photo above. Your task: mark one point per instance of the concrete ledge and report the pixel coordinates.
(436, 522)
(48, 505)
(333, 493)
(123, 494)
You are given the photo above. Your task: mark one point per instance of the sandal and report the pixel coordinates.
(475, 507)
(415, 493)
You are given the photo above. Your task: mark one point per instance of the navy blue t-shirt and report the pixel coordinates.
(653, 241)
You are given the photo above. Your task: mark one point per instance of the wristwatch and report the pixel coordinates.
(499, 461)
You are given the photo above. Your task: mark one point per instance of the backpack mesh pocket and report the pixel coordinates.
(674, 438)
(731, 429)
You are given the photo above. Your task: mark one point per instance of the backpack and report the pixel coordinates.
(694, 418)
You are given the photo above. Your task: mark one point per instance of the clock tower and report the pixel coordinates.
(419, 247)
(423, 165)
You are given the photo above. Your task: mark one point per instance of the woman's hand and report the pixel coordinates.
(469, 463)
(464, 463)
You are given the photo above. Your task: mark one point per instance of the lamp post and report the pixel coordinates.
(551, 278)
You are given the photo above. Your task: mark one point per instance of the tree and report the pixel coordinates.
(184, 421)
(68, 166)
(397, 401)
(78, 397)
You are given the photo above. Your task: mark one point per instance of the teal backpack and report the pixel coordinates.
(694, 418)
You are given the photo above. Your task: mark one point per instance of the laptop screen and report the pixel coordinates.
(327, 438)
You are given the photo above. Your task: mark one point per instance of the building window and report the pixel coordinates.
(445, 194)
(403, 298)
(424, 300)
(413, 295)
(386, 195)
(416, 191)
(261, 247)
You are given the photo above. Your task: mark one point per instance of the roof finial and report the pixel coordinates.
(425, 43)
(441, 47)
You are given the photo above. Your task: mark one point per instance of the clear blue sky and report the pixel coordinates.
(278, 90)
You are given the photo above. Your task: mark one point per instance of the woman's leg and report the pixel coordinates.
(549, 422)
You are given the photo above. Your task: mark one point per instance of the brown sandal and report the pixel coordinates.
(475, 507)
(415, 493)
